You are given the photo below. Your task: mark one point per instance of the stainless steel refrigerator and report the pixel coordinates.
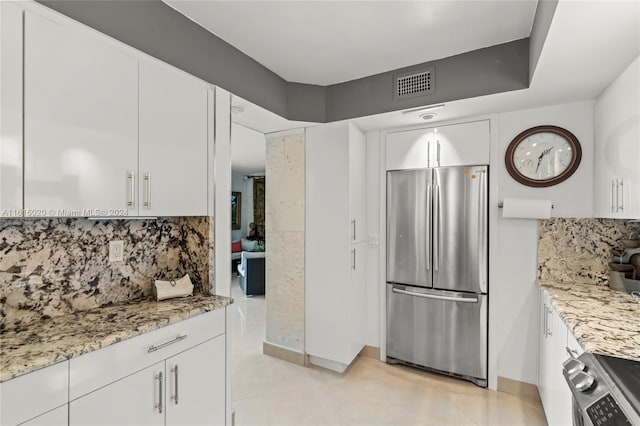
(437, 269)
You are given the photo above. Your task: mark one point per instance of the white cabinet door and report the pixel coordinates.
(462, 144)
(33, 394)
(357, 184)
(357, 298)
(173, 143)
(57, 417)
(10, 110)
(617, 150)
(196, 385)
(133, 400)
(408, 149)
(334, 337)
(81, 121)
(554, 391)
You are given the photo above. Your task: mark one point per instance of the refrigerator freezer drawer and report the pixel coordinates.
(442, 330)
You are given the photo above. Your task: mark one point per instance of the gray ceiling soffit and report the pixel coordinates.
(160, 31)
(494, 69)
(539, 30)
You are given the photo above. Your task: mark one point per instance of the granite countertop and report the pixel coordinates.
(29, 347)
(603, 320)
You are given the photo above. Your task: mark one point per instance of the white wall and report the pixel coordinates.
(513, 292)
(516, 268)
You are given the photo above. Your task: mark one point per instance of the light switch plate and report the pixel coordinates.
(116, 251)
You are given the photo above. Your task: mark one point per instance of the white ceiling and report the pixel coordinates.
(588, 45)
(328, 42)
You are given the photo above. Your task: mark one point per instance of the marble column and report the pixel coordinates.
(285, 243)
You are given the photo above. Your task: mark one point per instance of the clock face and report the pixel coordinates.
(543, 156)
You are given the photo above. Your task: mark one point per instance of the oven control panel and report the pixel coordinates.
(606, 412)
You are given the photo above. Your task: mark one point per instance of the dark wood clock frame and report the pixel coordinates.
(571, 139)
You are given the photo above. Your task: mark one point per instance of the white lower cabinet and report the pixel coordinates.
(56, 417)
(129, 401)
(195, 383)
(31, 397)
(554, 391)
(186, 389)
(175, 375)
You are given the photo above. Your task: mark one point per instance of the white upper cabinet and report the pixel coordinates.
(81, 121)
(10, 110)
(617, 147)
(173, 142)
(452, 145)
(410, 149)
(462, 144)
(357, 184)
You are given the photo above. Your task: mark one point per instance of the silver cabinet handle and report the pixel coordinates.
(147, 192)
(174, 370)
(437, 297)
(428, 153)
(544, 322)
(438, 153)
(550, 321)
(131, 177)
(353, 229)
(612, 192)
(160, 386)
(154, 348)
(620, 190)
(353, 259)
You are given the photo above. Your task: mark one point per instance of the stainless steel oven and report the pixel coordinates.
(606, 390)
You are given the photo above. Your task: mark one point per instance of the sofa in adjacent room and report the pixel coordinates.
(251, 271)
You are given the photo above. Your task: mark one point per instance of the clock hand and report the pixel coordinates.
(545, 152)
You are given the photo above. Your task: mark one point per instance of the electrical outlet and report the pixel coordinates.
(116, 251)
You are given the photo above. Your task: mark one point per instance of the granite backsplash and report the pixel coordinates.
(579, 250)
(51, 267)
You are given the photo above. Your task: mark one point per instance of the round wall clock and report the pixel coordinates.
(543, 156)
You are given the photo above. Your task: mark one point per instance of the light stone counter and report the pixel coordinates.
(29, 347)
(604, 321)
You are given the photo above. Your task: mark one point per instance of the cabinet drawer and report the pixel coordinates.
(32, 394)
(88, 372)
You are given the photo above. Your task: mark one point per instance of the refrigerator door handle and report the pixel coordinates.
(427, 244)
(437, 297)
(436, 229)
(482, 230)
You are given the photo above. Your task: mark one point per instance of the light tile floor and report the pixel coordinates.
(269, 391)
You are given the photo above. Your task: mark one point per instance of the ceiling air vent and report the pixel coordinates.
(417, 83)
